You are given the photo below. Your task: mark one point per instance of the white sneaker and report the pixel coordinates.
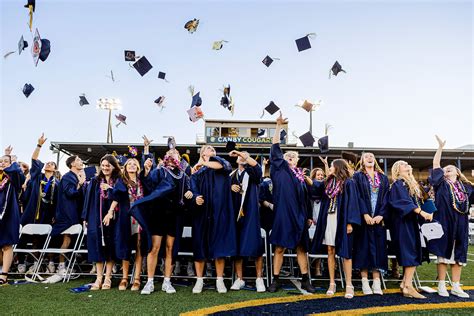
(377, 287)
(62, 269)
(21, 268)
(177, 268)
(442, 291)
(114, 269)
(220, 286)
(260, 285)
(458, 291)
(168, 288)
(238, 285)
(198, 286)
(148, 288)
(51, 268)
(33, 267)
(366, 287)
(190, 269)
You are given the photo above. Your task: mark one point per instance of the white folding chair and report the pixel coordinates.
(78, 250)
(37, 254)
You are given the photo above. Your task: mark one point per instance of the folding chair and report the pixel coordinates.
(35, 230)
(266, 257)
(78, 250)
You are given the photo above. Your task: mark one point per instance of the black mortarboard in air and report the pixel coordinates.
(160, 100)
(45, 49)
(283, 134)
(27, 89)
(171, 142)
(230, 146)
(129, 55)
(323, 144)
(197, 101)
(31, 3)
(267, 61)
(335, 69)
(22, 44)
(142, 65)
(261, 132)
(270, 108)
(162, 75)
(121, 118)
(90, 172)
(307, 139)
(304, 43)
(350, 157)
(82, 100)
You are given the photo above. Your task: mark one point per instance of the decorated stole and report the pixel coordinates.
(6, 202)
(243, 190)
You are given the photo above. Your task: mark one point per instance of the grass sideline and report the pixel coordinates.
(42, 299)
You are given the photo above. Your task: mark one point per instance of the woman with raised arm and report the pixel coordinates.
(11, 179)
(452, 192)
(370, 240)
(214, 235)
(405, 199)
(292, 209)
(99, 214)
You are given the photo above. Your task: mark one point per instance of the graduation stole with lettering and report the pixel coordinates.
(243, 190)
(4, 182)
(458, 196)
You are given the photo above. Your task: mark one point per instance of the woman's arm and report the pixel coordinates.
(280, 121)
(439, 151)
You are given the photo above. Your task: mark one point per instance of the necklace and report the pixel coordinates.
(458, 196)
(375, 183)
(298, 172)
(135, 191)
(4, 182)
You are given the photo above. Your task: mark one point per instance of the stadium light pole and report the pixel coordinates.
(109, 104)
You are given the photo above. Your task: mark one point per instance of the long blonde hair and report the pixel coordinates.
(362, 166)
(126, 176)
(409, 179)
(461, 177)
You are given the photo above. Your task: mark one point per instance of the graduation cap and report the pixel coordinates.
(307, 139)
(22, 44)
(171, 142)
(82, 100)
(283, 134)
(195, 113)
(121, 118)
(323, 144)
(142, 65)
(90, 172)
(129, 55)
(432, 230)
(217, 45)
(429, 206)
(191, 25)
(303, 43)
(31, 6)
(261, 132)
(27, 89)
(230, 146)
(160, 101)
(335, 69)
(267, 61)
(226, 100)
(121, 159)
(270, 108)
(41, 48)
(196, 101)
(350, 157)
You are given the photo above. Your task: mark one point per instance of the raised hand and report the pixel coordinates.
(8, 150)
(280, 120)
(41, 140)
(441, 143)
(146, 141)
(324, 160)
(265, 161)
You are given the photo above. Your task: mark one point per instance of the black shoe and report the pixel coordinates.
(306, 285)
(273, 287)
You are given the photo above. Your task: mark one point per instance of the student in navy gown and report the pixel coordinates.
(292, 210)
(338, 217)
(405, 198)
(452, 192)
(317, 174)
(245, 184)
(266, 199)
(370, 238)
(157, 214)
(214, 235)
(11, 179)
(100, 217)
(69, 204)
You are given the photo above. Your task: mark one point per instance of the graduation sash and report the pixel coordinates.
(6, 203)
(245, 184)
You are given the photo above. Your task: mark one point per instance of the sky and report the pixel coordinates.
(408, 63)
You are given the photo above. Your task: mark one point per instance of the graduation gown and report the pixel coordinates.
(249, 239)
(370, 241)
(292, 207)
(347, 213)
(96, 250)
(35, 209)
(455, 225)
(10, 223)
(404, 230)
(265, 194)
(214, 234)
(69, 204)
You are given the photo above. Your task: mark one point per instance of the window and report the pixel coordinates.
(212, 131)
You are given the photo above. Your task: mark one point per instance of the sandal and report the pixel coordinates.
(136, 285)
(331, 290)
(123, 284)
(107, 284)
(97, 285)
(349, 291)
(4, 281)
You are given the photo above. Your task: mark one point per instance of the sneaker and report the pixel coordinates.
(285, 273)
(306, 285)
(148, 288)
(275, 286)
(51, 268)
(260, 285)
(366, 287)
(168, 288)
(220, 286)
(21, 268)
(458, 291)
(177, 268)
(238, 285)
(33, 268)
(190, 269)
(114, 269)
(377, 287)
(198, 286)
(62, 269)
(442, 291)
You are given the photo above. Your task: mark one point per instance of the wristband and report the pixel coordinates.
(38, 145)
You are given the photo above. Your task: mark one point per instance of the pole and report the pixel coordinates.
(311, 122)
(109, 130)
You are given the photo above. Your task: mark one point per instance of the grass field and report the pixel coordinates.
(39, 299)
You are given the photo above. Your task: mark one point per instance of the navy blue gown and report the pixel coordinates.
(40, 205)
(404, 228)
(266, 214)
(10, 222)
(370, 241)
(100, 238)
(214, 234)
(69, 205)
(455, 224)
(292, 206)
(347, 213)
(249, 238)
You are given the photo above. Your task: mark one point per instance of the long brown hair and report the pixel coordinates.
(362, 166)
(342, 170)
(116, 172)
(313, 173)
(126, 177)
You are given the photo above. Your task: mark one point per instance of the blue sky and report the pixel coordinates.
(408, 63)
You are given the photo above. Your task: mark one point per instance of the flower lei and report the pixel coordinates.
(375, 183)
(104, 194)
(135, 191)
(298, 172)
(333, 188)
(170, 162)
(458, 195)
(133, 151)
(4, 182)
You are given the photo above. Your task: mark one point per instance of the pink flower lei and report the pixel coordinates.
(458, 190)
(333, 188)
(298, 172)
(103, 193)
(135, 191)
(169, 162)
(374, 184)
(4, 181)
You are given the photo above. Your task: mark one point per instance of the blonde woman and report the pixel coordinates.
(452, 192)
(370, 240)
(405, 198)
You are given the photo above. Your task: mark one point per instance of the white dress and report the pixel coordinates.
(331, 227)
